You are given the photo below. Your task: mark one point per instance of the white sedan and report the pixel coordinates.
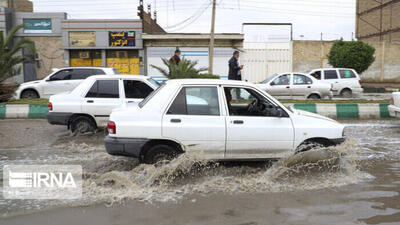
(61, 80)
(207, 117)
(394, 107)
(296, 85)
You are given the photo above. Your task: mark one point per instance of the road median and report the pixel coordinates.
(332, 110)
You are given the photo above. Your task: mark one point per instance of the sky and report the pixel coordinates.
(335, 19)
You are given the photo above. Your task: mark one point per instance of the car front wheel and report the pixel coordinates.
(29, 94)
(160, 153)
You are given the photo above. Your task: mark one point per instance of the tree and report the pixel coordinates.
(356, 55)
(185, 69)
(9, 60)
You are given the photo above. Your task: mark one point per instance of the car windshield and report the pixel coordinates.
(270, 78)
(154, 82)
(150, 96)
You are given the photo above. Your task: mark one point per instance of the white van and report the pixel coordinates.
(345, 82)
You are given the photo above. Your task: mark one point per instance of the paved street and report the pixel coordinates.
(365, 190)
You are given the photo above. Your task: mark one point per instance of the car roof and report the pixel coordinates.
(332, 69)
(84, 67)
(206, 81)
(118, 76)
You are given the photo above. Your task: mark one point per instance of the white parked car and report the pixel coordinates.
(296, 85)
(88, 106)
(61, 80)
(204, 116)
(346, 82)
(394, 107)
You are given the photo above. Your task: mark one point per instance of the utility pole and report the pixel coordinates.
(211, 48)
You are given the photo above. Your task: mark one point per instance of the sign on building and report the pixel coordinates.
(37, 26)
(82, 38)
(122, 39)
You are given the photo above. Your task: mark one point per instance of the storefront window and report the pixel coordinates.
(85, 58)
(126, 61)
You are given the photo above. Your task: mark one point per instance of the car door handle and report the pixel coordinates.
(89, 101)
(175, 120)
(308, 86)
(238, 122)
(287, 87)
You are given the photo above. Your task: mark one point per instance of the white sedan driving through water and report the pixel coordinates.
(208, 117)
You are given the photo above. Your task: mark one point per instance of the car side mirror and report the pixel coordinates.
(276, 112)
(272, 83)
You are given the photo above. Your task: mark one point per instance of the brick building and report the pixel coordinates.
(378, 20)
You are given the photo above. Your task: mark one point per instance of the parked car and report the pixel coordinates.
(61, 80)
(346, 82)
(88, 106)
(296, 85)
(173, 120)
(394, 107)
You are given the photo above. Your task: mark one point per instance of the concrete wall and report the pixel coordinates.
(309, 55)
(50, 55)
(370, 13)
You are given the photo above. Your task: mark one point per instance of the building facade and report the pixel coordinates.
(109, 43)
(378, 20)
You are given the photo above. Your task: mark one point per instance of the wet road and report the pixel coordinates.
(364, 190)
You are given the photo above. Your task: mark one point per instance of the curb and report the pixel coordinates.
(335, 111)
(346, 110)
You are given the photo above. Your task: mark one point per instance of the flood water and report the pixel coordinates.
(361, 188)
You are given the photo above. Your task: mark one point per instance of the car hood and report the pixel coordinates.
(313, 115)
(31, 82)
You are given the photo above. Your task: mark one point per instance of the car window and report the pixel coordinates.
(316, 74)
(62, 75)
(98, 72)
(247, 102)
(269, 78)
(150, 96)
(196, 101)
(104, 89)
(282, 80)
(330, 74)
(301, 79)
(347, 74)
(136, 89)
(81, 74)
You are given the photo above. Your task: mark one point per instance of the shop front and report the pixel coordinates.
(110, 43)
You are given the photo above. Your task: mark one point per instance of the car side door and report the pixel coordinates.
(253, 135)
(194, 119)
(280, 86)
(58, 82)
(302, 86)
(101, 98)
(331, 76)
(135, 90)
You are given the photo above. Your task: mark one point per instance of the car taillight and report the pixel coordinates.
(391, 101)
(111, 127)
(50, 106)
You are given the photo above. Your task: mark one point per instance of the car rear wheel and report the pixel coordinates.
(29, 94)
(346, 93)
(82, 124)
(159, 154)
(314, 97)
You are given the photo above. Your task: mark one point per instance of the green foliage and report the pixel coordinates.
(356, 55)
(8, 50)
(185, 69)
(9, 60)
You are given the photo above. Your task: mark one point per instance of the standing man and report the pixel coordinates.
(234, 67)
(175, 58)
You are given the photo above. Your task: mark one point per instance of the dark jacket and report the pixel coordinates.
(175, 59)
(234, 69)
